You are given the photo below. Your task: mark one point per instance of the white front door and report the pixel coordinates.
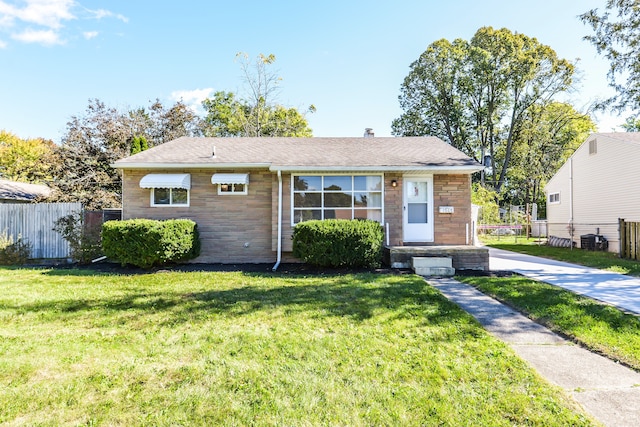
(417, 200)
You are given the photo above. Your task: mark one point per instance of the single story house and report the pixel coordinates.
(595, 187)
(247, 194)
(22, 192)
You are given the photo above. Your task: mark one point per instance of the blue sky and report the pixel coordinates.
(348, 58)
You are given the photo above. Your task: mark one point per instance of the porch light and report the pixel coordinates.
(394, 183)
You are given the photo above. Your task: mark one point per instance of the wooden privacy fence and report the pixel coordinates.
(629, 240)
(34, 222)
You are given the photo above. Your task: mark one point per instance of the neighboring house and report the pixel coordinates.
(598, 184)
(247, 194)
(21, 192)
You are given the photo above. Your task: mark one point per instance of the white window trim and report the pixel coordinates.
(170, 205)
(554, 202)
(233, 193)
(291, 186)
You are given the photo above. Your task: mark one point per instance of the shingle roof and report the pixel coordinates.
(22, 191)
(623, 136)
(375, 153)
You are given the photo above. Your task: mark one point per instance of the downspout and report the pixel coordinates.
(279, 251)
(571, 231)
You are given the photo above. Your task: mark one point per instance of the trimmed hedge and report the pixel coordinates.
(339, 243)
(147, 243)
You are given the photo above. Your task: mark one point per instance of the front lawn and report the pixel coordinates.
(171, 348)
(597, 326)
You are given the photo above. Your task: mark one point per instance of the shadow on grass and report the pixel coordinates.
(358, 297)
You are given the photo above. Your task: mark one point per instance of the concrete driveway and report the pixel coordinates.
(612, 288)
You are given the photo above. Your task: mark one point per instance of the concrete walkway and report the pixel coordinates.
(612, 288)
(605, 389)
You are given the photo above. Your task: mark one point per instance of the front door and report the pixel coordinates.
(417, 208)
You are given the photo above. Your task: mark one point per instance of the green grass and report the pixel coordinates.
(249, 349)
(604, 260)
(599, 327)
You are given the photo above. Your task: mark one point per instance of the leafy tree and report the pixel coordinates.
(101, 136)
(256, 114)
(488, 201)
(547, 137)
(476, 94)
(26, 160)
(617, 36)
(139, 144)
(632, 124)
(434, 95)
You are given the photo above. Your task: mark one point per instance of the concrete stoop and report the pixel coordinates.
(432, 266)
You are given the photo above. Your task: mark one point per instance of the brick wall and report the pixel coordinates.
(451, 190)
(393, 207)
(237, 229)
(233, 228)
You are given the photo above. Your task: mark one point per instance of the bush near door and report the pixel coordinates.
(339, 243)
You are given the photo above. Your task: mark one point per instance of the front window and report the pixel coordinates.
(337, 196)
(554, 198)
(232, 188)
(169, 197)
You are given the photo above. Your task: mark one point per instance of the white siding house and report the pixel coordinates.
(598, 184)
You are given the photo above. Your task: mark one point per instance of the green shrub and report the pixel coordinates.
(339, 243)
(13, 252)
(146, 243)
(83, 239)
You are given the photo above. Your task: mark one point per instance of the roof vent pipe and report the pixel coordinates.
(368, 133)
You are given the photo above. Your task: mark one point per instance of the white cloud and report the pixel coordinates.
(192, 98)
(2, 44)
(42, 21)
(47, 13)
(102, 13)
(45, 37)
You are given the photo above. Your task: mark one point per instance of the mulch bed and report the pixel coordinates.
(283, 269)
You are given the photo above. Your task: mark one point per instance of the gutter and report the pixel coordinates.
(343, 168)
(279, 251)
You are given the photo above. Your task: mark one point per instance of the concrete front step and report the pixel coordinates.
(463, 257)
(431, 261)
(432, 266)
(435, 271)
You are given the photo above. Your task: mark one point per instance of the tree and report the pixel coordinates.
(476, 94)
(139, 144)
(617, 37)
(548, 136)
(26, 160)
(101, 136)
(433, 95)
(632, 124)
(256, 114)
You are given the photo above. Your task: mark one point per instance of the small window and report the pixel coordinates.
(593, 146)
(554, 198)
(232, 189)
(169, 197)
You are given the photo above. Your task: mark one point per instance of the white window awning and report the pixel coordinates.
(166, 180)
(230, 178)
